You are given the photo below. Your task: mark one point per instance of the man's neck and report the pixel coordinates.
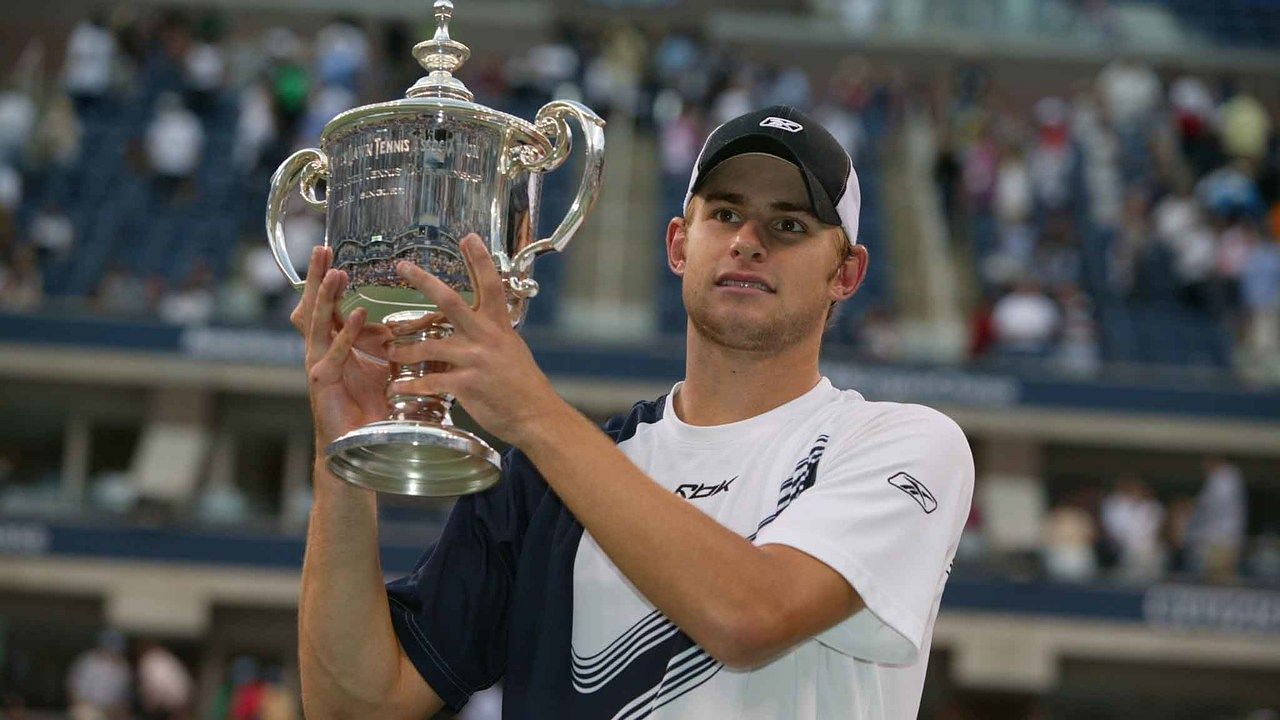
(723, 385)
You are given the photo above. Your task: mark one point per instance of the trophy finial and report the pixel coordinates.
(441, 56)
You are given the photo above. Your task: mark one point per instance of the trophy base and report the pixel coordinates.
(407, 457)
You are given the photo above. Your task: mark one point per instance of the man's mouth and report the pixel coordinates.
(744, 283)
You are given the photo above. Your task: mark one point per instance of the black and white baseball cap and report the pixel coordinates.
(788, 134)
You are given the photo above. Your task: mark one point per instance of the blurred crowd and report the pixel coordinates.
(1135, 218)
(109, 682)
(1133, 534)
(1132, 219)
(112, 681)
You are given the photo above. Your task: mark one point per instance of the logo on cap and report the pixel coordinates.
(781, 124)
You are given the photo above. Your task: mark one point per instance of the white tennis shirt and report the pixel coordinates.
(878, 491)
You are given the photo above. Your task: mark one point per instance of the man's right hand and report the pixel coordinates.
(346, 375)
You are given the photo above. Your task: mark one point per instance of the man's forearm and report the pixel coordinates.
(348, 653)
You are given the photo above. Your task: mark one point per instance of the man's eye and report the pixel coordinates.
(724, 215)
(790, 225)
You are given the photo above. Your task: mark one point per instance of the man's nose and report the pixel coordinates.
(748, 242)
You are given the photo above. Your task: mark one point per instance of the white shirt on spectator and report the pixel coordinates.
(100, 679)
(205, 67)
(175, 139)
(164, 685)
(1025, 320)
(17, 120)
(1013, 191)
(1130, 90)
(10, 188)
(91, 51)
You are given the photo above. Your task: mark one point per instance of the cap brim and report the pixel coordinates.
(820, 205)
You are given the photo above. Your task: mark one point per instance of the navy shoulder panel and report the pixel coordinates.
(622, 427)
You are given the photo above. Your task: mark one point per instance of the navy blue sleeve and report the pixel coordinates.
(451, 613)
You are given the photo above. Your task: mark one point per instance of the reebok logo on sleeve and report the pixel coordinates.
(916, 490)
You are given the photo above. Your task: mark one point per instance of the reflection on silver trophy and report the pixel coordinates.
(407, 180)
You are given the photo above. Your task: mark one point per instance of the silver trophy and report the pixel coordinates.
(407, 180)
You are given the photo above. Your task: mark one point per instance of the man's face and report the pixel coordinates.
(760, 271)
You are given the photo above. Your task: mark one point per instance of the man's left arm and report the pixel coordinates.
(742, 603)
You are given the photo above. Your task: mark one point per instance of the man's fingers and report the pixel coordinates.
(372, 340)
(330, 366)
(443, 351)
(321, 256)
(444, 297)
(409, 327)
(318, 340)
(440, 382)
(491, 294)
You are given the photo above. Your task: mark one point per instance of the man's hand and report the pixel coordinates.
(490, 368)
(347, 380)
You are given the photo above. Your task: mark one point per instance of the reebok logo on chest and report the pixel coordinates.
(696, 491)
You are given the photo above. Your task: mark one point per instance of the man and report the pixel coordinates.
(756, 544)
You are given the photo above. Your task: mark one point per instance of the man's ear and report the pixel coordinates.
(675, 245)
(849, 274)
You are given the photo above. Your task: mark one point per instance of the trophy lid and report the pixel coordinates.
(440, 57)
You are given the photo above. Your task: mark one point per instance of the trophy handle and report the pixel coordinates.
(304, 169)
(551, 119)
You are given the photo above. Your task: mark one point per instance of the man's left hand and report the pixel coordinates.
(488, 366)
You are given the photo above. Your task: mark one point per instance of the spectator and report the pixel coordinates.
(1025, 321)
(122, 293)
(1230, 191)
(1234, 246)
(1193, 113)
(1215, 537)
(249, 690)
(1260, 291)
(58, 135)
(278, 700)
(1183, 230)
(1013, 191)
(342, 55)
(204, 67)
(1053, 159)
(10, 189)
(1100, 149)
(877, 336)
(99, 680)
(174, 143)
(21, 285)
(1245, 128)
(90, 60)
(53, 234)
(164, 684)
(1078, 352)
(255, 127)
(1069, 537)
(17, 123)
(194, 303)
(1132, 519)
(1131, 242)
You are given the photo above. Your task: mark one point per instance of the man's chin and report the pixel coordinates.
(739, 333)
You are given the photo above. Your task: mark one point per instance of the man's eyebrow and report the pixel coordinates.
(792, 207)
(738, 199)
(731, 198)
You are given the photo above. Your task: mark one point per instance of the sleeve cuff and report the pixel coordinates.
(884, 631)
(430, 664)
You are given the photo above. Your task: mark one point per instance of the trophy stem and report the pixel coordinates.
(417, 450)
(431, 408)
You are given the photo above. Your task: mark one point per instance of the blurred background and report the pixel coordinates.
(1073, 214)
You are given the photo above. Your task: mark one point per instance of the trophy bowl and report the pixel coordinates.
(407, 180)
